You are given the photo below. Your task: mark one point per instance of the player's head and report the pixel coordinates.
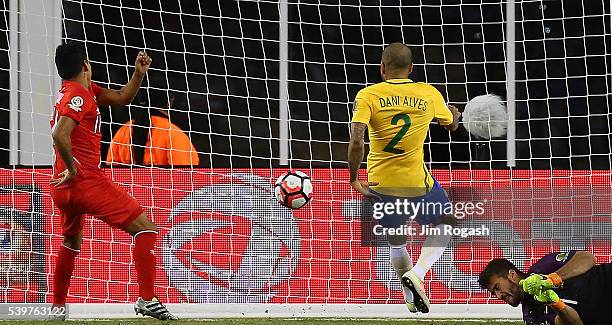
(396, 61)
(71, 61)
(502, 278)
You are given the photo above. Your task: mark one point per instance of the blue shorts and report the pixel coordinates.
(430, 208)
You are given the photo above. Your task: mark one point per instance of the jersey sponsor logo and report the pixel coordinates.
(75, 103)
(355, 106)
(561, 257)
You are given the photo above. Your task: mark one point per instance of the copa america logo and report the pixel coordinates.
(270, 257)
(76, 102)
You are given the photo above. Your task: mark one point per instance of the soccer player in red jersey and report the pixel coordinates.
(79, 186)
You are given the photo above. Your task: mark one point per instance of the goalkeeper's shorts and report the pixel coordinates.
(97, 196)
(426, 209)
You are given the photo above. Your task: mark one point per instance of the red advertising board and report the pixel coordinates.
(223, 238)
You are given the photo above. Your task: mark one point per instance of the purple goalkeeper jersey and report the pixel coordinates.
(586, 293)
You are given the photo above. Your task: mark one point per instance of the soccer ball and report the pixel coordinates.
(293, 189)
(485, 116)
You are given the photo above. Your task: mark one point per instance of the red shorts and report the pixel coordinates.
(97, 196)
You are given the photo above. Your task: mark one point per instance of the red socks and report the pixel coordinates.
(144, 243)
(63, 272)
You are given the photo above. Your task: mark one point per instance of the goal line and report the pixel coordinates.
(396, 311)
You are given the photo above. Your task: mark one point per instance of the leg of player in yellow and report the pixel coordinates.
(402, 263)
(432, 250)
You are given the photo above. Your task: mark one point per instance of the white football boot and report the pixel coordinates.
(411, 281)
(153, 308)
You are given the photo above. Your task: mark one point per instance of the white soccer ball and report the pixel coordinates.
(293, 189)
(485, 116)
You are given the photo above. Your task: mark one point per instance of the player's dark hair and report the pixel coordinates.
(397, 56)
(497, 267)
(69, 60)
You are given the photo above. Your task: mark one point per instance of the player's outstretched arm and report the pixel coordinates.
(580, 263)
(568, 316)
(355, 157)
(456, 115)
(126, 94)
(61, 139)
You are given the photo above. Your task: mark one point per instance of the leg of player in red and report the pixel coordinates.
(145, 234)
(63, 272)
(64, 266)
(72, 229)
(113, 205)
(120, 210)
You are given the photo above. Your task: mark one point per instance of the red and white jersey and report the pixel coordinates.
(79, 104)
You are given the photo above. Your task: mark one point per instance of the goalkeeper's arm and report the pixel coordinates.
(580, 263)
(566, 315)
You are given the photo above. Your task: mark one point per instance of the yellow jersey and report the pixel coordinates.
(398, 113)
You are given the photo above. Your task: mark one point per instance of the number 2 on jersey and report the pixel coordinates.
(390, 147)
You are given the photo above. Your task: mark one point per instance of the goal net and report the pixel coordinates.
(260, 87)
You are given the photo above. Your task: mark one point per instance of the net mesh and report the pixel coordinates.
(215, 75)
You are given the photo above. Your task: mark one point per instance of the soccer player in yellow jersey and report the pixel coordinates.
(397, 113)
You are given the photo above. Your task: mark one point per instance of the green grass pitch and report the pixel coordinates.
(267, 321)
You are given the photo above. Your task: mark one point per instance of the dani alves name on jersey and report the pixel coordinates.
(415, 102)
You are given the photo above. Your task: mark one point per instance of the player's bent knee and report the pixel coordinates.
(73, 242)
(141, 223)
(396, 240)
(449, 219)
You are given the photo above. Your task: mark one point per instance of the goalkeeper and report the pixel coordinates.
(560, 289)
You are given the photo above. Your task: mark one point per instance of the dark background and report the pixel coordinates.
(222, 57)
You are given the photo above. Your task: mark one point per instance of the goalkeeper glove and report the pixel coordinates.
(551, 298)
(536, 283)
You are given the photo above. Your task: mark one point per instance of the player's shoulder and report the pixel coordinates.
(72, 90)
(550, 262)
(71, 87)
(424, 86)
(370, 90)
(374, 91)
(74, 96)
